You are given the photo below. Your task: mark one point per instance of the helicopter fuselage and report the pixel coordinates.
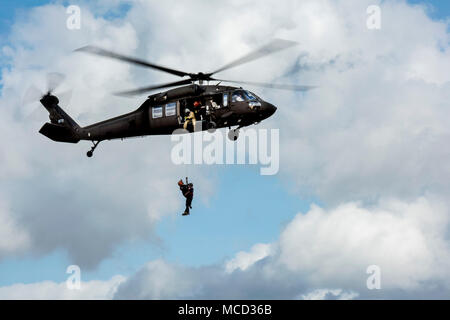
(164, 113)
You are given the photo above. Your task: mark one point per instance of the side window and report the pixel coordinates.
(225, 99)
(157, 112)
(171, 109)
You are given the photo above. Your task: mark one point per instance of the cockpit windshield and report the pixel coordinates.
(250, 96)
(243, 95)
(238, 96)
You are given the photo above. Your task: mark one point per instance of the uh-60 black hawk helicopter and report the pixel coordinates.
(163, 113)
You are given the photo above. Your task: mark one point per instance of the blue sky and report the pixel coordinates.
(254, 216)
(245, 218)
(438, 9)
(10, 10)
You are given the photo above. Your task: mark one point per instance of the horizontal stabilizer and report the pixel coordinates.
(60, 133)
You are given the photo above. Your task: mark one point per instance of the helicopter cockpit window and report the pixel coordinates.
(238, 96)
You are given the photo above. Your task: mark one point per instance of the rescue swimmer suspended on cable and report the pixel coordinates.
(187, 189)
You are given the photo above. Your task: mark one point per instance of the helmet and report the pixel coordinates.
(197, 103)
(180, 183)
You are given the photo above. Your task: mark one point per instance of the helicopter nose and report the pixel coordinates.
(269, 109)
(272, 109)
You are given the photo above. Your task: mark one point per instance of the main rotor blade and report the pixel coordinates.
(272, 47)
(147, 89)
(110, 54)
(54, 80)
(33, 94)
(291, 87)
(65, 97)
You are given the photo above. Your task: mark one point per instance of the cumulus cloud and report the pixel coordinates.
(406, 240)
(61, 199)
(376, 126)
(317, 250)
(12, 237)
(322, 248)
(243, 259)
(370, 143)
(49, 290)
(329, 294)
(159, 280)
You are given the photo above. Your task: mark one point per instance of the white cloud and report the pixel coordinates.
(406, 240)
(159, 280)
(49, 290)
(317, 250)
(323, 294)
(375, 129)
(322, 249)
(12, 238)
(61, 199)
(244, 260)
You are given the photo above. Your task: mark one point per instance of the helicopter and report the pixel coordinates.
(163, 113)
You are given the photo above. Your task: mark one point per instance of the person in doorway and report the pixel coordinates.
(190, 118)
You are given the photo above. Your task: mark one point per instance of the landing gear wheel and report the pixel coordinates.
(90, 153)
(233, 135)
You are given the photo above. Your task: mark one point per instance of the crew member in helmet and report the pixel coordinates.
(196, 112)
(187, 189)
(199, 110)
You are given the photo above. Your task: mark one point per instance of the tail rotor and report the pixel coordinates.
(33, 94)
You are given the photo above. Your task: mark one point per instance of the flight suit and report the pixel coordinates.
(190, 117)
(188, 192)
